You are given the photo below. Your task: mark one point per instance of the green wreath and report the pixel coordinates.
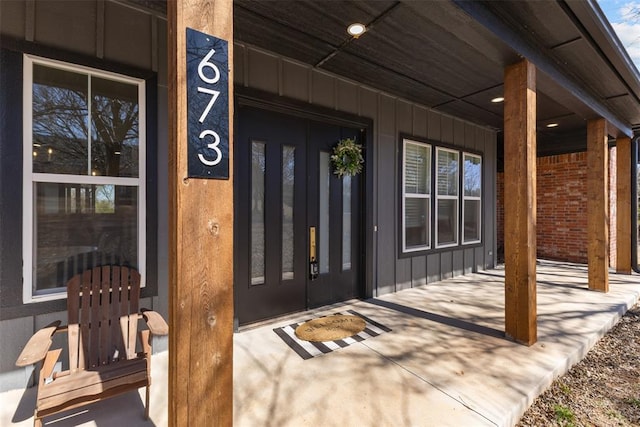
(347, 158)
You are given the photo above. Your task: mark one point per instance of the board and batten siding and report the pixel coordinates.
(95, 30)
(125, 35)
(268, 72)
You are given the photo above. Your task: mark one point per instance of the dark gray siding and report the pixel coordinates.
(97, 30)
(123, 35)
(391, 115)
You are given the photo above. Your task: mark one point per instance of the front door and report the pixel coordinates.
(286, 192)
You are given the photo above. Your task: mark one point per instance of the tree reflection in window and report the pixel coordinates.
(61, 115)
(86, 156)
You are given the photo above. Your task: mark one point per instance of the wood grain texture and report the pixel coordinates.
(598, 205)
(623, 205)
(200, 244)
(520, 206)
(90, 297)
(37, 346)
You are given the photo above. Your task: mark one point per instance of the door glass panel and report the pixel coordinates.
(325, 179)
(346, 223)
(288, 184)
(257, 212)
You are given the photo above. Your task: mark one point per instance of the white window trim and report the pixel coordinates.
(465, 198)
(28, 177)
(447, 197)
(406, 195)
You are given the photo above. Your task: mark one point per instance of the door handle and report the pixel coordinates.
(313, 260)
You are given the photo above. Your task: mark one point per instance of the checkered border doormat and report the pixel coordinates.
(308, 349)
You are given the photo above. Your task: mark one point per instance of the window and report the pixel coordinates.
(472, 198)
(416, 200)
(456, 206)
(447, 197)
(84, 174)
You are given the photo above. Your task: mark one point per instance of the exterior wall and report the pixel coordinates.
(117, 34)
(265, 71)
(98, 31)
(562, 207)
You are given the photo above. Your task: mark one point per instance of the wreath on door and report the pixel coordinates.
(347, 158)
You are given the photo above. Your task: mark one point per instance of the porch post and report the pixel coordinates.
(520, 205)
(597, 205)
(201, 229)
(623, 205)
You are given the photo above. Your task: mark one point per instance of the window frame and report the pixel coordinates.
(29, 178)
(433, 247)
(475, 198)
(420, 196)
(439, 197)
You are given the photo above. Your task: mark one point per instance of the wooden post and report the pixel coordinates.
(520, 204)
(623, 205)
(598, 205)
(200, 241)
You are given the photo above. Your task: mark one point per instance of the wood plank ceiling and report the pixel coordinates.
(435, 54)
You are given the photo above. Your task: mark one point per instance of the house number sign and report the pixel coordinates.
(207, 106)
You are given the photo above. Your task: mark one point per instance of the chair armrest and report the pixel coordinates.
(37, 346)
(155, 322)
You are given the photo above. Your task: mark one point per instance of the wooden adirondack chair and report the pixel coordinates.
(104, 361)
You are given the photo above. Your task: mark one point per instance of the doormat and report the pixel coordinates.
(310, 349)
(330, 328)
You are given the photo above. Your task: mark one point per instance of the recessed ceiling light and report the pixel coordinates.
(552, 125)
(356, 29)
(498, 99)
(117, 153)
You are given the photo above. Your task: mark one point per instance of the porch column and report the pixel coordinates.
(520, 203)
(200, 221)
(623, 205)
(597, 205)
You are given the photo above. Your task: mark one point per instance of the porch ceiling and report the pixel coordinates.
(442, 54)
(436, 54)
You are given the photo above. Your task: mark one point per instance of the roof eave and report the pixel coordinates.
(523, 45)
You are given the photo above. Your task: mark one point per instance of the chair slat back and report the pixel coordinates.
(102, 306)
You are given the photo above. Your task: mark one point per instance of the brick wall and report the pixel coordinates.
(561, 208)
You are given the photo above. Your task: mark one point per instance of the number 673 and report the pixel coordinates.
(206, 63)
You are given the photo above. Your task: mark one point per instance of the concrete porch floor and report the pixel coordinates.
(445, 362)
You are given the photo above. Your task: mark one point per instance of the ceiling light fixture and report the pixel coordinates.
(498, 99)
(356, 30)
(552, 125)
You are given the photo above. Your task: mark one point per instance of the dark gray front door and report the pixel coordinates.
(285, 187)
